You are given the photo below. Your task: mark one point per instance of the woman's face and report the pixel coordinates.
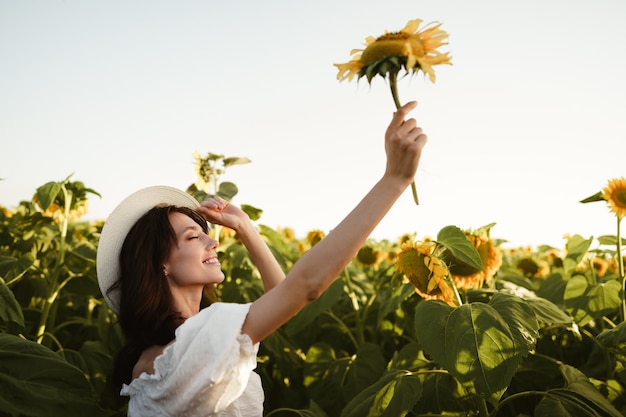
(192, 260)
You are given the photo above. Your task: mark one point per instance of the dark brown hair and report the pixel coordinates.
(146, 311)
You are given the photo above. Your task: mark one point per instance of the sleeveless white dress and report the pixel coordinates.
(206, 372)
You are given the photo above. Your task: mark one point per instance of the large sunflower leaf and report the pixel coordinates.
(367, 365)
(547, 312)
(330, 378)
(37, 382)
(47, 193)
(361, 404)
(306, 316)
(578, 398)
(12, 269)
(552, 288)
(615, 341)
(397, 398)
(323, 374)
(474, 344)
(604, 298)
(521, 318)
(442, 393)
(430, 325)
(463, 251)
(10, 310)
(588, 302)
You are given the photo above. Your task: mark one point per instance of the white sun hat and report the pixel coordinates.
(117, 226)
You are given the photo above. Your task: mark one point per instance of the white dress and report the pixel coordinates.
(206, 372)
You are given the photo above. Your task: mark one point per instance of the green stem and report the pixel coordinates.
(56, 272)
(620, 267)
(450, 282)
(54, 340)
(344, 327)
(360, 334)
(393, 84)
(516, 396)
(483, 411)
(448, 278)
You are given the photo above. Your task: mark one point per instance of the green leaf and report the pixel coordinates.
(610, 240)
(577, 248)
(430, 324)
(368, 364)
(442, 395)
(521, 319)
(547, 312)
(604, 298)
(396, 296)
(12, 269)
(552, 288)
(593, 198)
(408, 358)
(330, 379)
(578, 398)
(235, 161)
(227, 190)
(306, 316)
(252, 212)
(462, 250)
(47, 193)
(614, 340)
(397, 398)
(37, 382)
(10, 310)
(575, 300)
(588, 302)
(472, 342)
(362, 404)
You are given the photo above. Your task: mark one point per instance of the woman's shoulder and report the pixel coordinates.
(145, 364)
(217, 313)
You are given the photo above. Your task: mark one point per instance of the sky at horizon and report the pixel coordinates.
(527, 121)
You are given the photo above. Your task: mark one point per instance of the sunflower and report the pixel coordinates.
(409, 48)
(426, 271)
(389, 53)
(79, 203)
(314, 237)
(370, 256)
(615, 194)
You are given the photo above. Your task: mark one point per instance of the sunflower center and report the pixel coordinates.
(619, 197)
(392, 44)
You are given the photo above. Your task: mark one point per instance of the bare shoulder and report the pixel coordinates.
(146, 361)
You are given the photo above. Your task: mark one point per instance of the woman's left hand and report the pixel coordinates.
(219, 211)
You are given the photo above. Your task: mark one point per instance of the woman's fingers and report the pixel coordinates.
(216, 203)
(400, 114)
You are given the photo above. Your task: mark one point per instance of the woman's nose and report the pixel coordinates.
(211, 243)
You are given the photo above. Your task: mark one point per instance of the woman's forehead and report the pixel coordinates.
(181, 222)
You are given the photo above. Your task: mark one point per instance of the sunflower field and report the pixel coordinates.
(450, 325)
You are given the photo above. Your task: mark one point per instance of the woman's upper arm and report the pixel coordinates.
(275, 308)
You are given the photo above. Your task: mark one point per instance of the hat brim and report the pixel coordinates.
(117, 226)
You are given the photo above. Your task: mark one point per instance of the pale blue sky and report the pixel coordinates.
(529, 120)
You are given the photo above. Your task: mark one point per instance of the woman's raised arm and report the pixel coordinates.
(319, 267)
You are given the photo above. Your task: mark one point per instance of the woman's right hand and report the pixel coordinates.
(219, 211)
(404, 141)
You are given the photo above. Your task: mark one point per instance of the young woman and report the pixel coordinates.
(155, 259)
